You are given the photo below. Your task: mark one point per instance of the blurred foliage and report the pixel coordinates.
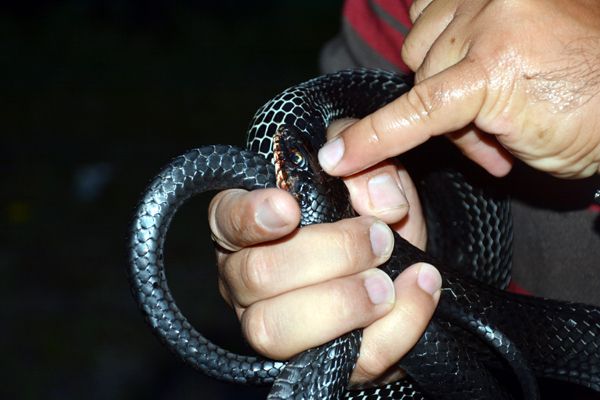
(96, 96)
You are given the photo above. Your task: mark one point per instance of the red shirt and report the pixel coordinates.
(382, 25)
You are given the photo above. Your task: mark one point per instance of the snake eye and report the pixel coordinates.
(297, 158)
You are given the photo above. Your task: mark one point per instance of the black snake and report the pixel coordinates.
(482, 343)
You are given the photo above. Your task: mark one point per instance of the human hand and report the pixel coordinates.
(294, 289)
(525, 72)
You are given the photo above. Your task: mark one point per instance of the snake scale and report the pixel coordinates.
(482, 343)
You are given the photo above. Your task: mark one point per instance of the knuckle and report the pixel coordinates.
(424, 70)
(226, 221)
(255, 271)
(226, 269)
(408, 53)
(376, 126)
(377, 360)
(350, 303)
(422, 101)
(415, 313)
(513, 7)
(370, 368)
(345, 301)
(259, 330)
(214, 215)
(415, 10)
(224, 292)
(347, 241)
(237, 225)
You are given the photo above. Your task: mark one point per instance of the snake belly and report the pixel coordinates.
(479, 333)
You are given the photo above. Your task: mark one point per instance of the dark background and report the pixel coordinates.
(95, 97)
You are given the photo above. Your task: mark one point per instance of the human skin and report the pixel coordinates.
(294, 289)
(502, 79)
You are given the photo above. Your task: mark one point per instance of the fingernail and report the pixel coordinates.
(382, 239)
(429, 278)
(269, 216)
(380, 287)
(385, 193)
(331, 154)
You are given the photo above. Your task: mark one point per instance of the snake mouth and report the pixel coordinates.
(281, 177)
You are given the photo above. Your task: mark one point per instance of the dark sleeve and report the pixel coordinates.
(556, 235)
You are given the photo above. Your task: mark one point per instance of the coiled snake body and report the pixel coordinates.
(480, 337)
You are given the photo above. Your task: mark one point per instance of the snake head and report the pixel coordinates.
(322, 198)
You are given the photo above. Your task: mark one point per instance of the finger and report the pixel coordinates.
(293, 322)
(352, 245)
(412, 227)
(385, 198)
(225, 293)
(417, 8)
(239, 218)
(441, 104)
(484, 149)
(338, 126)
(448, 49)
(376, 191)
(389, 338)
(387, 192)
(428, 27)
